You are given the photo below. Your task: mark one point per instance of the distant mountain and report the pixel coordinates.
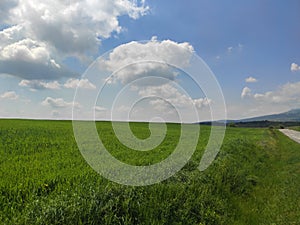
(290, 116)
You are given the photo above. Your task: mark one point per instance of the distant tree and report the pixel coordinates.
(232, 125)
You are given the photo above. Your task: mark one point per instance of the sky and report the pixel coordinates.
(50, 49)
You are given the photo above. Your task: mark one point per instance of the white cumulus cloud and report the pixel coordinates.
(55, 85)
(11, 95)
(100, 109)
(251, 80)
(59, 103)
(83, 83)
(56, 22)
(29, 59)
(246, 92)
(146, 67)
(295, 67)
(39, 85)
(5, 7)
(168, 94)
(41, 34)
(286, 94)
(147, 59)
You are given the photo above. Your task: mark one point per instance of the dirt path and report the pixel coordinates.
(294, 135)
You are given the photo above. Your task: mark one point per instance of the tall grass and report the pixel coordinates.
(45, 180)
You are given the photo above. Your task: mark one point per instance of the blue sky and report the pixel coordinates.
(46, 47)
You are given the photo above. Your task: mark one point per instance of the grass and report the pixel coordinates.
(45, 180)
(296, 128)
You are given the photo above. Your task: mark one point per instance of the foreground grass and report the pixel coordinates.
(44, 179)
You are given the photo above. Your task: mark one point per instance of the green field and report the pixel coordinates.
(45, 180)
(295, 128)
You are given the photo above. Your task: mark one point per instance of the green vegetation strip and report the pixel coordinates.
(44, 179)
(294, 128)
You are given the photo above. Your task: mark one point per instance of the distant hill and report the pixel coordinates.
(290, 116)
(286, 119)
(281, 120)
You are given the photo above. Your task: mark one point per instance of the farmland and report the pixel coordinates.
(295, 128)
(45, 180)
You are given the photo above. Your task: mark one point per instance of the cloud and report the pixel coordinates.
(100, 109)
(167, 94)
(246, 92)
(29, 59)
(43, 33)
(167, 101)
(202, 102)
(83, 83)
(150, 76)
(154, 56)
(56, 22)
(39, 85)
(54, 85)
(59, 103)
(251, 80)
(295, 67)
(29, 51)
(286, 94)
(11, 35)
(11, 95)
(5, 7)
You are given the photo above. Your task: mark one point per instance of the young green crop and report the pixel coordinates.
(295, 128)
(45, 180)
